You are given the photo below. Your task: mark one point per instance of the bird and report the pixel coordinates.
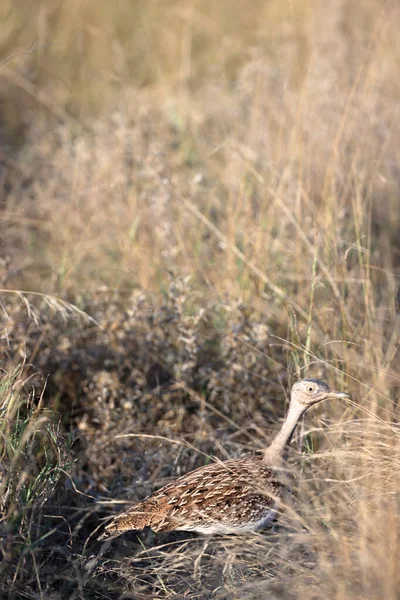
(238, 495)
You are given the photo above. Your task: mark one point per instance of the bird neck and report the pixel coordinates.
(274, 454)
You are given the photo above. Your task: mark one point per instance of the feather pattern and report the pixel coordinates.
(220, 497)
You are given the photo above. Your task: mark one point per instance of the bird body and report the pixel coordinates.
(222, 497)
(234, 496)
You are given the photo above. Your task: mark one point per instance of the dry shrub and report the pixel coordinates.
(160, 387)
(150, 365)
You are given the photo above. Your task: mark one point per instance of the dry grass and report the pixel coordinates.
(217, 189)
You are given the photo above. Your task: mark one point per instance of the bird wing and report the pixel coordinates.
(225, 491)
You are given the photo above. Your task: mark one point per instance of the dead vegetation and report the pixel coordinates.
(191, 220)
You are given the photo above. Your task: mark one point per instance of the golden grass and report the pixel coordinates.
(252, 152)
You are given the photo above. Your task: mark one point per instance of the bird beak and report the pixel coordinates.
(343, 395)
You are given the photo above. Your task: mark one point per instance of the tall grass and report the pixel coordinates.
(34, 460)
(217, 186)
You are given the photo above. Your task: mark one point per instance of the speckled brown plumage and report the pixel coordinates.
(234, 496)
(218, 498)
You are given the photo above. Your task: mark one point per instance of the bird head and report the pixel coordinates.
(311, 391)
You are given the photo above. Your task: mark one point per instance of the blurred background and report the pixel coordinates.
(113, 115)
(199, 204)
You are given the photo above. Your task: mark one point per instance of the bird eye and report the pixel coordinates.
(310, 389)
